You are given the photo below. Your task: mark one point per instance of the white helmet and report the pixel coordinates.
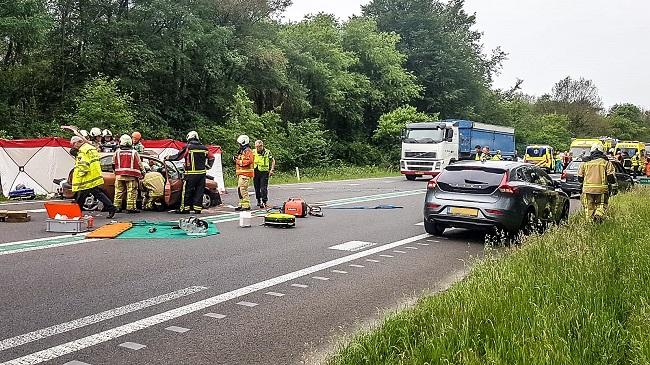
(125, 140)
(597, 147)
(243, 139)
(84, 133)
(95, 132)
(192, 135)
(107, 133)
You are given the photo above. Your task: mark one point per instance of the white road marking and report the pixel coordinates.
(42, 239)
(422, 244)
(274, 294)
(352, 184)
(306, 188)
(96, 318)
(116, 332)
(411, 248)
(177, 329)
(25, 202)
(419, 224)
(36, 248)
(339, 272)
(75, 362)
(300, 285)
(355, 265)
(434, 241)
(398, 251)
(388, 256)
(352, 246)
(371, 260)
(132, 346)
(247, 304)
(320, 278)
(215, 315)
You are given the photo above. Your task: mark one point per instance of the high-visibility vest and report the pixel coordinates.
(263, 160)
(127, 163)
(87, 169)
(595, 174)
(497, 158)
(478, 156)
(244, 163)
(635, 160)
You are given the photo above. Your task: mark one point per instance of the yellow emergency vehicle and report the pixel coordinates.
(629, 149)
(541, 155)
(581, 147)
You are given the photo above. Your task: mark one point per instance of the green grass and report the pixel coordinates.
(321, 174)
(579, 294)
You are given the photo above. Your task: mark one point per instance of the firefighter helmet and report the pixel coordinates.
(243, 139)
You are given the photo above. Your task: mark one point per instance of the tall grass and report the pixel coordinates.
(579, 294)
(337, 172)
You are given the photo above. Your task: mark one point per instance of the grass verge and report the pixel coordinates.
(578, 294)
(320, 174)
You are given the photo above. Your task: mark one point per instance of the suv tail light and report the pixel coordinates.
(433, 183)
(505, 187)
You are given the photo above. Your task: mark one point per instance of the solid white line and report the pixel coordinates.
(42, 239)
(51, 246)
(113, 333)
(96, 318)
(30, 202)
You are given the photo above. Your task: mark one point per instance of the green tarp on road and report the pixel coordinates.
(164, 230)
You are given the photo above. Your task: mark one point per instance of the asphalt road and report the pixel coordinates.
(246, 296)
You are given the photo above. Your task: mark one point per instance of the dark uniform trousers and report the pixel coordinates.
(261, 183)
(193, 189)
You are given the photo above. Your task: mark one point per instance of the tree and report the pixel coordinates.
(102, 105)
(391, 124)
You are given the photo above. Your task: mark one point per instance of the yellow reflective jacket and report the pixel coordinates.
(87, 169)
(595, 172)
(154, 182)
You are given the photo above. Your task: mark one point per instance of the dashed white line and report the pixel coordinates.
(371, 260)
(132, 346)
(274, 294)
(419, 224)
(322, 278)
(247, 304)
(96, 318)
(355, 265)
(422, 244)
(215, 315)
(388, 256)
(177, 329)
(116, 332)
(339, 272)
(398, 251)
(300, 286)
(410, 248)
(75, 362)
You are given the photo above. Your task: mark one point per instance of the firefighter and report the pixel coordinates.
(108, 143)
(198, 161)
(497, 156)
(636, 164)
(595, 175)
(244, 166)
(96, 137)
(477, 152)
(87, 176)
(153, 189)
(137, 141)
(264, 166)
(128, 170)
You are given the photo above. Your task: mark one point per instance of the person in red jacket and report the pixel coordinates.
(128, 170)
(244, 166)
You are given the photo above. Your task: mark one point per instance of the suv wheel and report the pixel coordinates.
(91, 204)
(530, 223)
(207, 200)
(434, 228)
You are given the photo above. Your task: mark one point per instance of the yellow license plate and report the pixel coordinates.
(468, 212)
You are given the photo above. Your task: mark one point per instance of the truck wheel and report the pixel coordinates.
(434, 228)
(411, 177)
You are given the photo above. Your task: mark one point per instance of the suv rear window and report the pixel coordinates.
(536, 151)
(475, 180)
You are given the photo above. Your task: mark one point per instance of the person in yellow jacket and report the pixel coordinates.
(153, 189)
(244, 165)
(87, 176)
(636, 164)
(596, 174)
(264, 167)
(497, 156)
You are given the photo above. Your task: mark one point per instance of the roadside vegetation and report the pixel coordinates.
(342, 172)
(575, 295)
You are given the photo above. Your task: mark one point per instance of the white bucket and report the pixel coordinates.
(245, 219)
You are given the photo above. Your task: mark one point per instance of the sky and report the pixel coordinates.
(546, 40)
